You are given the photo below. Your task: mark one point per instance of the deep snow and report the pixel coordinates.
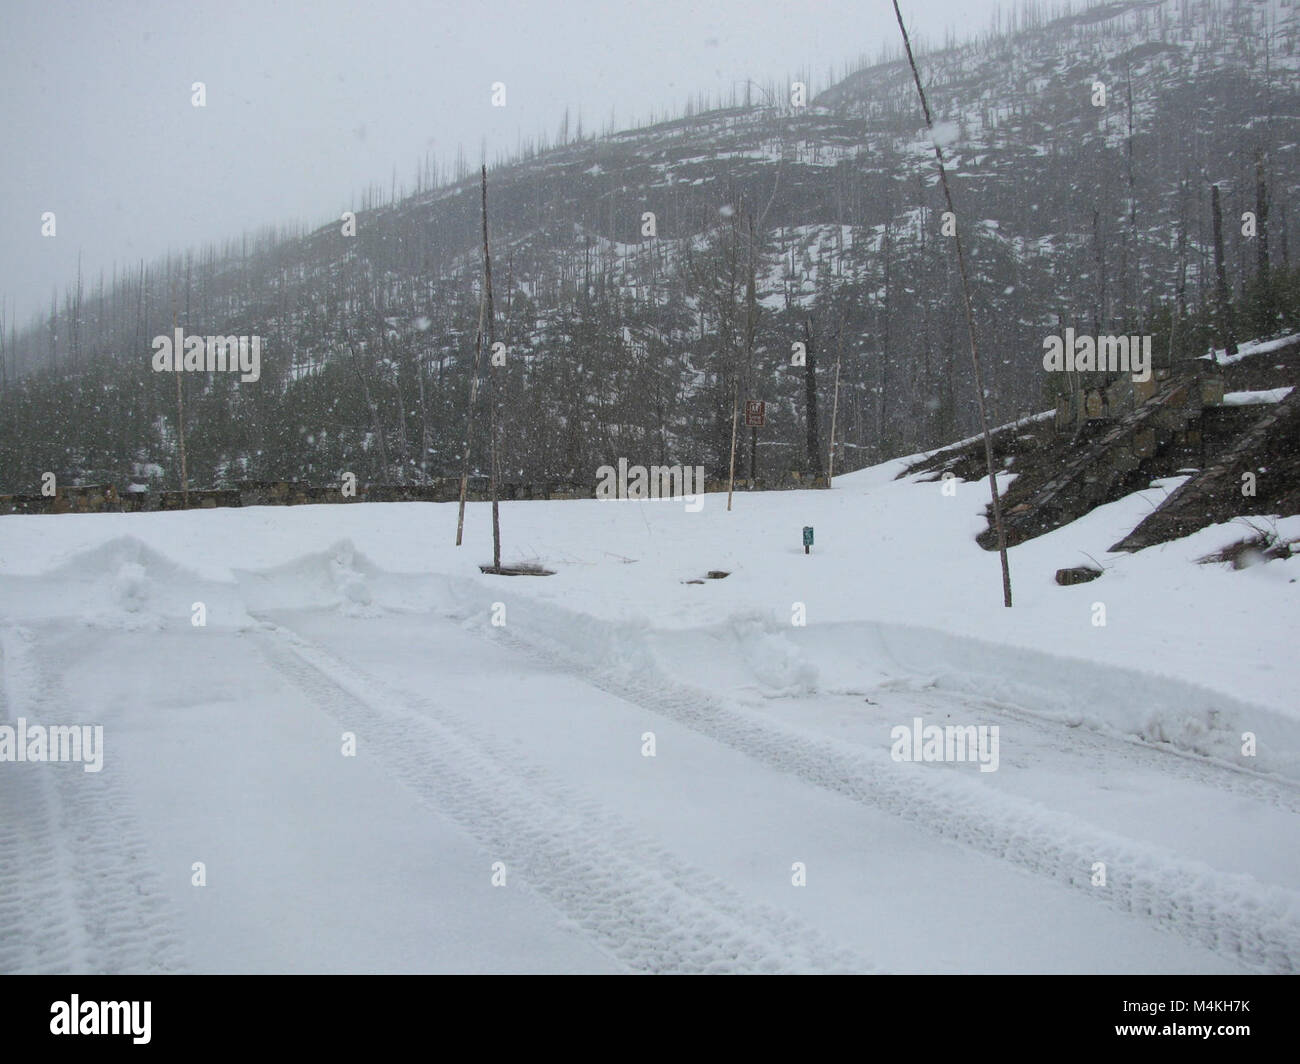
(521, 742)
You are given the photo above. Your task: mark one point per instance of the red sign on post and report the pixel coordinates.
(755, 413)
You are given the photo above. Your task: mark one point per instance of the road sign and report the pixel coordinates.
(807, 537)
(755, 413)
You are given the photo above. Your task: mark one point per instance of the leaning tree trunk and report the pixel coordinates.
(970, 320)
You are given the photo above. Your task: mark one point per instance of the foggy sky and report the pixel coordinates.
(310, 102)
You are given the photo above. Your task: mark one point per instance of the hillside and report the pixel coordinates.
(624, 345)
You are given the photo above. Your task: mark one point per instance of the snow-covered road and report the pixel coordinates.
(476, 747)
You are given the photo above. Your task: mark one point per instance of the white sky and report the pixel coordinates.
(308, 102)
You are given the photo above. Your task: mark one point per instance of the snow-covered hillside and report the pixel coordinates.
(501, 812)
(1083, 151)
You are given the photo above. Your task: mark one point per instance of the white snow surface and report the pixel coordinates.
(516, 748)
(1252, 348)
(1263, 396)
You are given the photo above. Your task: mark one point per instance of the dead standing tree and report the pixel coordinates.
(485, 311)
(1227, 326)
(810, 400)
(492, 400)
(469, 419)
(751, 326)
(180, 405)
(970, 318)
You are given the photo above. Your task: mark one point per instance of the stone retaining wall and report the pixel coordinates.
(104, 498)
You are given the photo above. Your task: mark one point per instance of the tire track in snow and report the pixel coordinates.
(1113, 747)
(86, 852)
(643, 905)
(1256, 924)
(40, 931)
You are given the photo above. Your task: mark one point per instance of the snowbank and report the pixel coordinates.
(1159, 647)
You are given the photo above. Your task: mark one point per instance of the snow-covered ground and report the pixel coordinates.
(501, 812)
(1253, 347)
(1266, 395)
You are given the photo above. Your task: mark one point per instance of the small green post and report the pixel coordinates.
(807, 537)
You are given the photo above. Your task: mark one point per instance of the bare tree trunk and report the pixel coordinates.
(424, 419)
(1180, 303)
(1261, 220)
(1135, 270)
(1099, 308)
(751, 326)
(180, 415)
(54, 329)
(835, 409)
(76, 318)
(1228, 332)
(970, 322)
(392, 357)
(469, 418)
(810, 400)
(140, 316)
(492, 402)
(735, 414)
(376, 424)
(403, 444)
